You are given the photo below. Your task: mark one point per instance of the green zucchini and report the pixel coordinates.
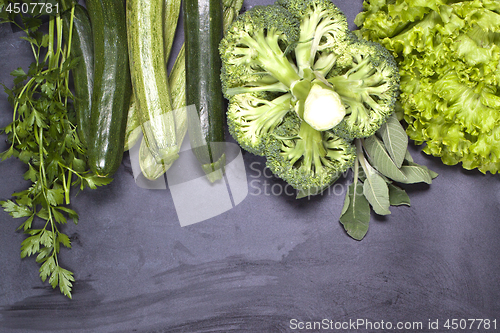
(145, 20)
(134, 131)
(171, 17)
(203, 29)
(82, 48)
(112, 85)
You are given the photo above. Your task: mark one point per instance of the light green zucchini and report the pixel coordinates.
(145, 20)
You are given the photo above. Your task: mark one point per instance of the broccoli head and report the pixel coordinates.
(251, 117)
(323, 33)
(307, 159)
(254, 51)
(367, 79)
(301, 86)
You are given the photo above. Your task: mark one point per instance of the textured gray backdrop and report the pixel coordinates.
(254, 268)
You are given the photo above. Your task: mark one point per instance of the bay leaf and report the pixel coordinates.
(395, 139)
(377, 193)
(355, 216)
(380, 159)
(398, 196)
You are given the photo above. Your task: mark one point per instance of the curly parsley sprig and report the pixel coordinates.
(43, 135)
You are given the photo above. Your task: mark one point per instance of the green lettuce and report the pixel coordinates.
(448, 53)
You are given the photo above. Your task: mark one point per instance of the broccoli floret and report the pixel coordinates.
(367, 79)
(301, 87)
(323, 32)
(254, 51)
(251, 117)
(306, 158)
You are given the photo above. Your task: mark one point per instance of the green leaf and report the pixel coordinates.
(48, 89)
(45, 41)
(93, 181)
(356, 216)
(6, 154)
(43, 255)
(63, 278)
(52, 170)
(47, 268)
(19, 72)
(23, 110)
(398, 196)
(55, 196)
(416, 174)
(395, 139)
(47, 238)
(29, 39)
(30, 245)
(71, 213)
(432, 173)
(347, 201)
(377, 193)
(26, 224)
(23, 199)
(31, 174)
(39, 119)
(408, 156)
(25, 156)
(14, 210)
(381, 160)
(54, 277)
(43, 214)
(64, 240)
(32, 23)
(70, 64)
(58, 216)
(79, 165)
(65, 281)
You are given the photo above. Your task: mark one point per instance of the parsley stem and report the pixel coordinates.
(67, 186)
(16, 107)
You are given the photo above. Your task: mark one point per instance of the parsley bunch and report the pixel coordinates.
(43, 135)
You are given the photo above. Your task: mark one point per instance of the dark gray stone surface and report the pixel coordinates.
(254, 268)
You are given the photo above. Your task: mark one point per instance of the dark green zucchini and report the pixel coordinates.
(82, 48)
(203, 29)
(112, 85)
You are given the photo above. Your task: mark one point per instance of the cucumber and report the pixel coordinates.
(145, 19)
(203, 29)
(82, 48)
(112, 86)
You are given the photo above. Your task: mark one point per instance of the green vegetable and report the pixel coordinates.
(177, 83)
(149, 76)
(133, 131)
(203, 29)
(301, 87)
(112, 86)
(381, 160)
(43, 135)
(82, 49)
(448, 53)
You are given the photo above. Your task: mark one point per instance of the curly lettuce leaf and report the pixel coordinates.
(448, 53)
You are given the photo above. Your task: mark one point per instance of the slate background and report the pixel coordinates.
(257, 266)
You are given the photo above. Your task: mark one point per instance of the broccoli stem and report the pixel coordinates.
(255, 87)
(310, 149)
(264, 47)
(262, 119)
